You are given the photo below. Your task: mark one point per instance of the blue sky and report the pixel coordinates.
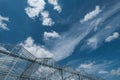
(80, 33)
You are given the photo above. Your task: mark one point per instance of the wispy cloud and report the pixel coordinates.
(3, 25)
(37, 50)
(114, 36)
(96, 23)
(103, 72)
(103, 29)
(65, 46)
(53, 34)
(62, 47)
(91, 14)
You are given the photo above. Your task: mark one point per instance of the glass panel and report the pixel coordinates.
(16, 63)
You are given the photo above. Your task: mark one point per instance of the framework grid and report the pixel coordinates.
(16, 63)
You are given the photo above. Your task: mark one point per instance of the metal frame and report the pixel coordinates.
(33, 66)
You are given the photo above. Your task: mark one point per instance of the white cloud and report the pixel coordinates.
(115, 72)
(92, 42)
(78, 32)
(111, 73)
(94, 68)
(52, 34)
(96, 23)
(3, 25)
(91, 14)
(37, 50)
(35, 8)
(104, 30)
(46, 20)
(57, 7)
(114, 36)
(86, 66)
(103, 72)
(65, 46)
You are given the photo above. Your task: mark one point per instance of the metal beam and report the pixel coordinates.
(51, 66)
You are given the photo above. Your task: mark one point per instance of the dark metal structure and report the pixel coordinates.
(16, 63)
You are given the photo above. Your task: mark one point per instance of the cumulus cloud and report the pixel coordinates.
(91, 14)
(3, 25)
(86, 66)
(57, 7)
(37, 50)
(114, 36)
(46, 20)
(94, 68)
(100, 69)
(35, 8)
(52, 34)
(92, 42)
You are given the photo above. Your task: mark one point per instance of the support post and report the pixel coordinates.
(61, 71)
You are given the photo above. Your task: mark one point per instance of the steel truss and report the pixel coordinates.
(16, 63)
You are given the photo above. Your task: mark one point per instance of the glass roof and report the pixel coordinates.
(16, 63)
